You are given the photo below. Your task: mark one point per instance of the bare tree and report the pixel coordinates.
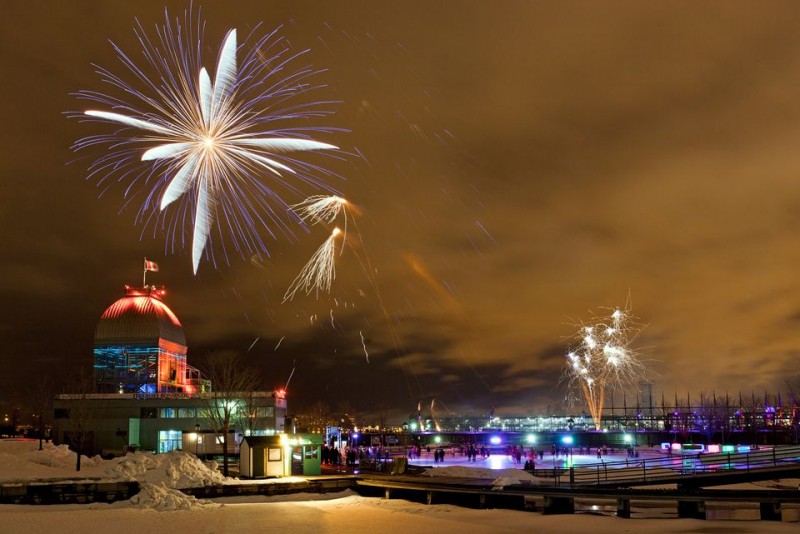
(346, 414)
(232, 381)
(752, 411)
(81, 415)
(383, 417)
(793, 393)
(41, 398)
(714, 416)
(315, 419)
(247, 416)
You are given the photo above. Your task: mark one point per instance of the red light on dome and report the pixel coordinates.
(280, 393)
(142, 304)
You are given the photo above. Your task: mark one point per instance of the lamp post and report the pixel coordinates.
(196, 437)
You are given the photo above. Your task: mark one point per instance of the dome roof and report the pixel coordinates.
(139, 318)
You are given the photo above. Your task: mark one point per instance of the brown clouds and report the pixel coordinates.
(522, 163)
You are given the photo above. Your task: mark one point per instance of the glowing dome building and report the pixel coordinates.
(146, 397)
(140, 347)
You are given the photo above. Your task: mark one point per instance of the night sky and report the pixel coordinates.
(523, 165)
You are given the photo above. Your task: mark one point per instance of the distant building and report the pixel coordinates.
(145, 394)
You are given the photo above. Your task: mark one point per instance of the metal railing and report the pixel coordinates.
(670, 467)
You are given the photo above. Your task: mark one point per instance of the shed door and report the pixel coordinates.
(273, 460)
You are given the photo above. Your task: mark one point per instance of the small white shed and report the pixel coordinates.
(263, 456)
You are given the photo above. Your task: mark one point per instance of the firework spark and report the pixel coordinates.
(364, 345)
(603, 360)
(206, 144)
(321, 209)
(319, 272)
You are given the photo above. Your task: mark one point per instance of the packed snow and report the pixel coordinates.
(160, 506)
(164, 499)
(174, 469)
(499, 477)
(21, 460)
(160, 476)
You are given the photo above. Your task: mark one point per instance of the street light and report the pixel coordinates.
(196, 437)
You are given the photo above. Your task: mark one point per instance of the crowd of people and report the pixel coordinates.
(331, 455)
(520, 455)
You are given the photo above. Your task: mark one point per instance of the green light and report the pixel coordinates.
(530, 438)
(438, 439)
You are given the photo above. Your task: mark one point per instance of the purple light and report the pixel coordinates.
(495, 440)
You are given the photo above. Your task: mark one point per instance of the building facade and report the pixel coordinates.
(145, 396)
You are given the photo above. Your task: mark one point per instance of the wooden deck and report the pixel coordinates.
(688, 501)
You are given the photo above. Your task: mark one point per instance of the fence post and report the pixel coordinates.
(770, 511)
(624, 508)
(558, 505)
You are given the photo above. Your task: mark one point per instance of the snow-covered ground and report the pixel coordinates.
(161, 507)
(499, 477)
(20, 460)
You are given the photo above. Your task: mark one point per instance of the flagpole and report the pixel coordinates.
(144, 276)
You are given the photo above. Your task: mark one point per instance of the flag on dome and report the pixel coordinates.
(150, 265)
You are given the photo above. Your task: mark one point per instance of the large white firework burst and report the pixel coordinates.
(603, 359)
(209, 144)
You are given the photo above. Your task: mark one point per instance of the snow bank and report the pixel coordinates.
(289, 497)
(21, 460)
(57, 456)
(173, 470)
(163, 499)
(507, 477)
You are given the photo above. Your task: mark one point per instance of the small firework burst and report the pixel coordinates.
(602, 359)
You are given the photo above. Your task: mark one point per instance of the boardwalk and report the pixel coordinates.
(576, 479)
